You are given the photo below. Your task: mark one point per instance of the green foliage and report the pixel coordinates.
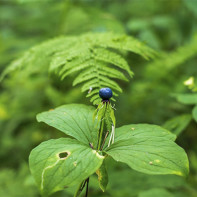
(75, 120)
(134, 145)
(95, 56)
(194, 113)
(167, 26)
(169, 61)
(19, 183)
(105, 116)
(149, 149)
(105, 112)
(191, 5)
(178, 124)
(132, 183)
(102, 177)
(53, 171)
(187, 99)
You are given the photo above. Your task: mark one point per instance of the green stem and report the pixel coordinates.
(101, 133)
(87, 183)
(101, 130)
(81, 187)
(78, 191)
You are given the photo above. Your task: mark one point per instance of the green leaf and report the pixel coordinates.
(194, 113)
(75, 120)
(102, 177)
(141, 131)
(178, 123)
(149, 149)
(60, 163)
(189, 99)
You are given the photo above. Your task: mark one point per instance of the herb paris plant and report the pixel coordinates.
(60, 163)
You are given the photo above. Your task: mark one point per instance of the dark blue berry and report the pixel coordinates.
(105, 93)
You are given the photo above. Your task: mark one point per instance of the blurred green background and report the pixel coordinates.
(168, 26)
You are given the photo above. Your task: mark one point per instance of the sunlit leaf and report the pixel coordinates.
(75, 120)
(149, 152)
(61, 163)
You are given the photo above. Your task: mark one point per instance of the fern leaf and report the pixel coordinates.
(113, 73)
(113, 58)
(85, 75)
(110, 83)
(77, 67)
(62, 58)
(95, 56)
(95, 83)
(90, 94)
(121, 42)
(95, 97)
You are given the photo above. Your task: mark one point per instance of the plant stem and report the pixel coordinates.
(104, 139)
(101, 133)
(78, 191)
(81, 187)
(102, 127)
(87, 183)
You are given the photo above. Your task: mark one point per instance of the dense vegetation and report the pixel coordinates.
(145, 51)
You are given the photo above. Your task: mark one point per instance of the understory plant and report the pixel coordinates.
(60, 163)
(96, 61)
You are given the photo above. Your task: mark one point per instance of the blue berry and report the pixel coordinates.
(105, 93)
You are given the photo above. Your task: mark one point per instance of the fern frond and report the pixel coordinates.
(95, 56)
(39, 57)
(112, 58)
(121, 42)
(85, 76)
(91, 93)
(113, 73)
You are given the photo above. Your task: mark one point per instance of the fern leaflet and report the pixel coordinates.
(95, 56)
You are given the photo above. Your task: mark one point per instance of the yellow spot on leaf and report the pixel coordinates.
(97, 154)
(178, 173)
(99, 174)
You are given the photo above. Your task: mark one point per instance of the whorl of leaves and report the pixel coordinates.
(96, 57)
